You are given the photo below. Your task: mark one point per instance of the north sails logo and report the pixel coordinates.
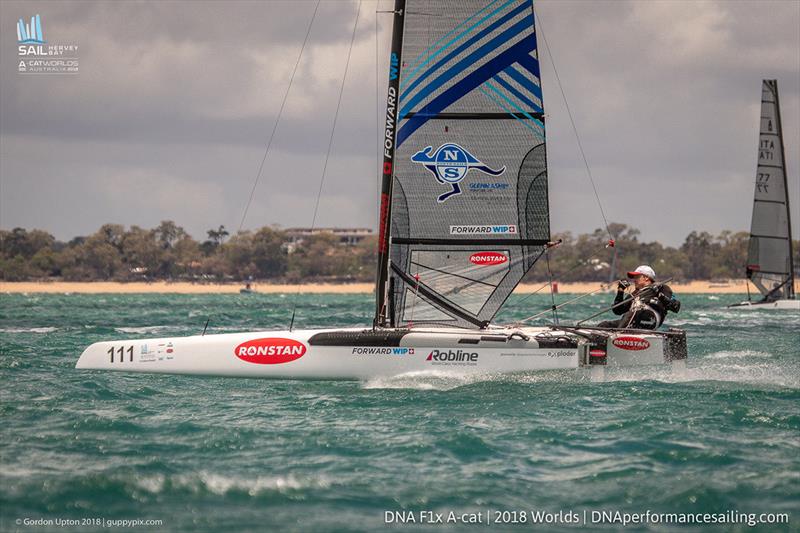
(450, 164)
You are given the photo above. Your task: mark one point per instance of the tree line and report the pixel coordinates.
(167, 252)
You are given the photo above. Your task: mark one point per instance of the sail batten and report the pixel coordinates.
(769, 258)
(469, 204)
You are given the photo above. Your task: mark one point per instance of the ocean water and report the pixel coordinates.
(217, 454)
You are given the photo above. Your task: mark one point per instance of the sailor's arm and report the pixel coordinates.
(668, 300)
(619, 307)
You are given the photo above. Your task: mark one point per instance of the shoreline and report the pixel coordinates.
(163, 287)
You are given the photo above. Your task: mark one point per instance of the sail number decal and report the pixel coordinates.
(121, 352)
(147, 352)
(761, 182)
(270, 351)
(766, 150)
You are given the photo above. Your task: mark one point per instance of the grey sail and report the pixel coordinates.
(469, 210)
(769, 258)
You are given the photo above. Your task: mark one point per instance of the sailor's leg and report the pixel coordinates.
(644, 319)
(598, 373)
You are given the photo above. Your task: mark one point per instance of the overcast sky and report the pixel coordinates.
(173, 103)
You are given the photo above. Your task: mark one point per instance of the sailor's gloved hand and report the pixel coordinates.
(623, 284)
(669, 303)
(657, 288)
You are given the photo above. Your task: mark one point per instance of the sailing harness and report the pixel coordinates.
(645, 316)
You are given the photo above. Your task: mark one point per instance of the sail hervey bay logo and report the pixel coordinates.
(270, 351)
(450, 164)
(30, 33)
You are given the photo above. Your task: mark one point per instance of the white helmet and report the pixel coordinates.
(643, 270)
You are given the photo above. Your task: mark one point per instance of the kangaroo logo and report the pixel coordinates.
(450, 164)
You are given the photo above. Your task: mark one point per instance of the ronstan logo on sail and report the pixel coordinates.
(270, 351)
(488, 258)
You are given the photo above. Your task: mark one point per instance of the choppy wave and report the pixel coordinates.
(222, 484)
(738, 354)
(425, 380)
(28, 330)
(243, 454)
(141, 330)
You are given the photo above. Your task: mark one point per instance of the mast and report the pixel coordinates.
(387, 170)
(790, 291)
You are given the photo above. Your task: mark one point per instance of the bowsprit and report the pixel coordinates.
(450, 164)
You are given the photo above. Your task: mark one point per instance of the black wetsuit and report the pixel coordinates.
(644, 309)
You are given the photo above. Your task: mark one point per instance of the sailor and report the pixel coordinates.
(773, 295)
(645, 307)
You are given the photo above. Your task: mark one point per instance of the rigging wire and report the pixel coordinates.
(335, 119)
(277, 120)
(602, 287)
(330, 145)
(574, 129)
(611, 241)
(552, 295)
(546, 284)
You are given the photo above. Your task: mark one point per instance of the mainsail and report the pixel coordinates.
(769, 258)
(469, 201)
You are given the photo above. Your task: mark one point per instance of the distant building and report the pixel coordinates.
(347, 236)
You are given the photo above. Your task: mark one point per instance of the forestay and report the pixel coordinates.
(469, 213)
(769, 255)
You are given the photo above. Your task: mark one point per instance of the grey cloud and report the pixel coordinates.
(175, 100)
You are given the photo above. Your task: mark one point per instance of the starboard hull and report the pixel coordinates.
(785, 305)
(364, 354)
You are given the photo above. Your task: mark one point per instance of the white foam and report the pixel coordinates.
(143, 329)
(222, 484)
(28, 330)
(764, 372)
(426, 380)
(737, 354)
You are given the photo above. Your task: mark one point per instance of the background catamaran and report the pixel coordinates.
(464, 214)
(770, 260)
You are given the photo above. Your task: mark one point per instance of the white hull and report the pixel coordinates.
(363, 354)
(793, 305)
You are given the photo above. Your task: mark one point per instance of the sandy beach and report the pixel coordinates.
(100, 287)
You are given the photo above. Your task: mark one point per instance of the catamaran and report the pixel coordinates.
(770, 260)
(464, 214)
